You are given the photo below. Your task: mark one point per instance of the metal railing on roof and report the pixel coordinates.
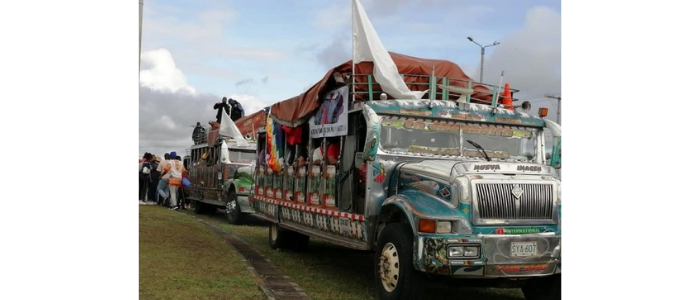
(431, 86)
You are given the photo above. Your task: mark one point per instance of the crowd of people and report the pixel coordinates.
(161, 181)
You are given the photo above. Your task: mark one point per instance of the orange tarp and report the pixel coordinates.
(295, 110)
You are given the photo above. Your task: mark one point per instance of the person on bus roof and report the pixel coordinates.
(222, 106)
(198, 134)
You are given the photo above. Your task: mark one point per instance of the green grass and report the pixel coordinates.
(179, 258)
(326, 271)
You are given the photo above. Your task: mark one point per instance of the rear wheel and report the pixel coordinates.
(394, 275)
(233, 210)
(543, 288)
(279, 237)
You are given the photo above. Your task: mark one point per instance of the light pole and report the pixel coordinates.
(140, 19)
(558, 106)
(481, 73)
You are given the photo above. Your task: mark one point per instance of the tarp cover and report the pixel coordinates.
(294, 111)
(249, 124)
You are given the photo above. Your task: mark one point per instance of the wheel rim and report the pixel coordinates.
(273, 232)
(231, 206)
(389, 267)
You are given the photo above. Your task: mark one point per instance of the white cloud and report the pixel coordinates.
(530, 57)
(170, 27)
(167, 122)
(333, 17)
(251, 104)
(160, 73)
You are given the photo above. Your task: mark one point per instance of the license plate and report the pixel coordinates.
(523, 249)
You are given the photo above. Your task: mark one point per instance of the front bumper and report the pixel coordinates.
(431, 256)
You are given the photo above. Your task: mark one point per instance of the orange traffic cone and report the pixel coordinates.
(507, 97)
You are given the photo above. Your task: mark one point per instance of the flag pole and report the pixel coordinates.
(352, 31)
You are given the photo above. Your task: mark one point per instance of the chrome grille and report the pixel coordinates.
(496, 201)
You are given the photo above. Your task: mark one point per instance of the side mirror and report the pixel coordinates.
(359, 160)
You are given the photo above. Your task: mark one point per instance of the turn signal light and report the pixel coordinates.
(425, 225)
(543, 112)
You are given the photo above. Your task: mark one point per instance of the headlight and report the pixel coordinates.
(463, 251)
(559, 194)
(456, 251)
(471, 251)
(444, 227)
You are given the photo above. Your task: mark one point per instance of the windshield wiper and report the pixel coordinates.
(478, 147)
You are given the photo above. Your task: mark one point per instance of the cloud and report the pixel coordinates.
(244, 81)
(530, 57)
(166, 119)
(331, 17)
(251, 104)
(255, 53)
(169, 107)
(166, 26)
(336, 53)
(159, 72)
(389, 7)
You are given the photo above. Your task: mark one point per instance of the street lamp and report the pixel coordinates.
(481, 74)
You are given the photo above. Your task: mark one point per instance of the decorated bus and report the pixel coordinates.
(442, 177)
(221, 168)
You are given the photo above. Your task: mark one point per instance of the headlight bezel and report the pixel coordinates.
(462, 248)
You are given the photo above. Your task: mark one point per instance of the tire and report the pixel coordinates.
(394, 275)
(544, 288)
(300, 242)
(200, 208)
(279, 237)
(233, 210)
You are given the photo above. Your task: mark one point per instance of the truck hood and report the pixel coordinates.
(450, 169)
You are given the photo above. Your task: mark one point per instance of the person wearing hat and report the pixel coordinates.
(175, 168)
(236, 109)
(162, 187)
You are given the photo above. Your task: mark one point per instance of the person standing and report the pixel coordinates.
(155, 175)
(144, 177)
(174, 169)
(162, 188)
(237, 111)
(198, 134)
(223, 106)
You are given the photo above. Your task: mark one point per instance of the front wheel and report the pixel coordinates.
(394, 275)
(543, 288)
(233, 210)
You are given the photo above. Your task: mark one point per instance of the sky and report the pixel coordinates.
(193, 53)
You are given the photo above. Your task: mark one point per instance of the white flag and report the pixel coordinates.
(228, 128)
(367, 47)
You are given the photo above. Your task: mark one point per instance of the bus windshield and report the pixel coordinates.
(237, 154)
(436, 137)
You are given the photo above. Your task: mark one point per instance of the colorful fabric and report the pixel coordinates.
(293, 134)
(272, 148)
